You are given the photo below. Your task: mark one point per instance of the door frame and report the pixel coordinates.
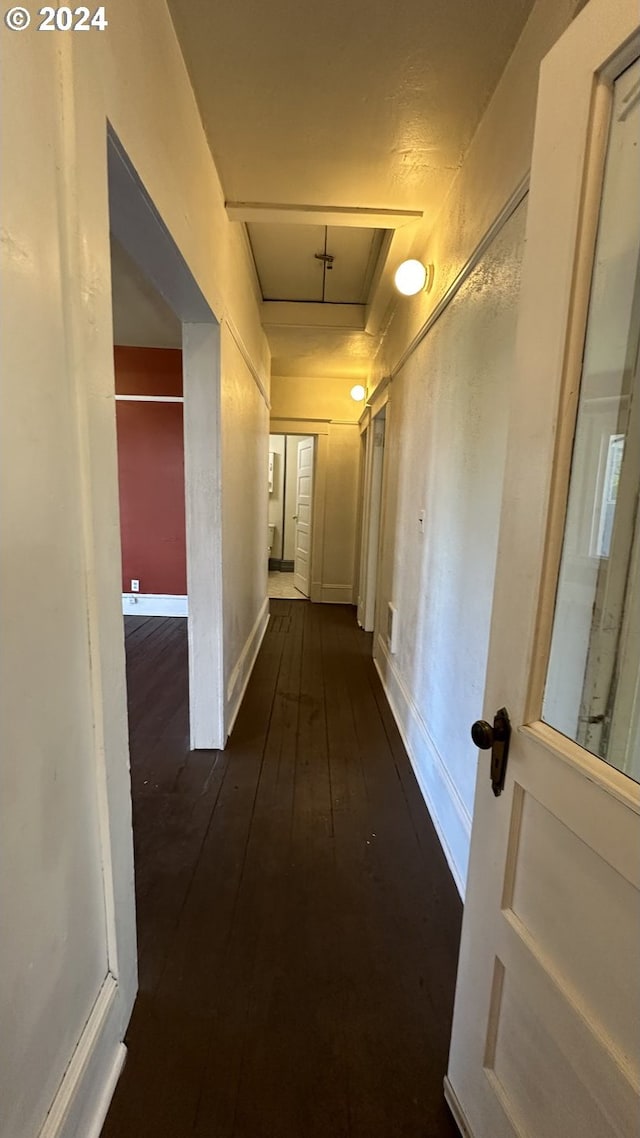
(373, 438)
(319, 429)
(296, 516)
(139, 228)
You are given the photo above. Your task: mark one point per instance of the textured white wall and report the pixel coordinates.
(64, 798)
(445, 450)
(446, 433)
(498, 157)
(341, 516)
(245, 451)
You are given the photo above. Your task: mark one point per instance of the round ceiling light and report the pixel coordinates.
(358, 393)
(411, 277)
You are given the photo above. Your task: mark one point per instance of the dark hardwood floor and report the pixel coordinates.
(298, 926)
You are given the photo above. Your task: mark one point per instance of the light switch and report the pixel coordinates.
(421, 516)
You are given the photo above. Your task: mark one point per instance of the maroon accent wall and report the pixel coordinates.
(148, 371)
(151, 472)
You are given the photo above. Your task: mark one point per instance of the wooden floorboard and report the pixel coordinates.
(298, 926)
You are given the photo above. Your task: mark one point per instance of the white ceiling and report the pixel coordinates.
(336, 108)
(344, 102)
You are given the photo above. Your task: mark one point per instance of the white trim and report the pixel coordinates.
(94, 1129)
(244, 665)
(321, 214)
(452, 1102)
(336, 594)
(154, 604)
(448, 812)
(203, 499)
(378, 398)
(83, 1097)
(501, 219)
(260, 383)
(149, 398)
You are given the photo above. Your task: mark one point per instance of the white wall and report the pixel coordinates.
(445, 450)
(65, 822)
(445, 447)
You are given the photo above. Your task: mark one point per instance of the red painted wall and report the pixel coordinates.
(151, 471)
(148, 371)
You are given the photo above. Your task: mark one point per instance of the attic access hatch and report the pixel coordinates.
(328, 264)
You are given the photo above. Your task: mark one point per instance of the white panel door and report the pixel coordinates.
(546, 1033)
(302, 517)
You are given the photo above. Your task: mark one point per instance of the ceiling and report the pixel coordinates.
(337, 128)
(326, 264)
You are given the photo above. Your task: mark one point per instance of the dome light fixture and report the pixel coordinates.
(358, 393)
(412, 277)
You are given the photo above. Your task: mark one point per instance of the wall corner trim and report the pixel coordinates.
(85, 1092)
(241, 673)
(246, 355)
(448, 813)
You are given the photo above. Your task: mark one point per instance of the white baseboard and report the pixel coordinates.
(241, 673)
(336, 594)
(448, 813)
(83, 1097)
(451, 1099)
(154, 604)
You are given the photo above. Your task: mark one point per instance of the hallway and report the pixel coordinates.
(298, 926)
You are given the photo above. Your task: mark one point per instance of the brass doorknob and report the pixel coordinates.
(494, 739)
(482, 734)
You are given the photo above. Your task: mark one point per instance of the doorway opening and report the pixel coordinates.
(147, 339)
(166, 291)
(290, 515)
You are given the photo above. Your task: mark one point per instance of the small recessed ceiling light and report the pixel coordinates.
(412, 277)
(358, 393)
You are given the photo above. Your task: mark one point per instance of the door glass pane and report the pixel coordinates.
(592, 692)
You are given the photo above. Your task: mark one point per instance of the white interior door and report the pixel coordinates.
(546, 1033)
(302, 517)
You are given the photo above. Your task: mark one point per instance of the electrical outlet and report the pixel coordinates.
(135, 586)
